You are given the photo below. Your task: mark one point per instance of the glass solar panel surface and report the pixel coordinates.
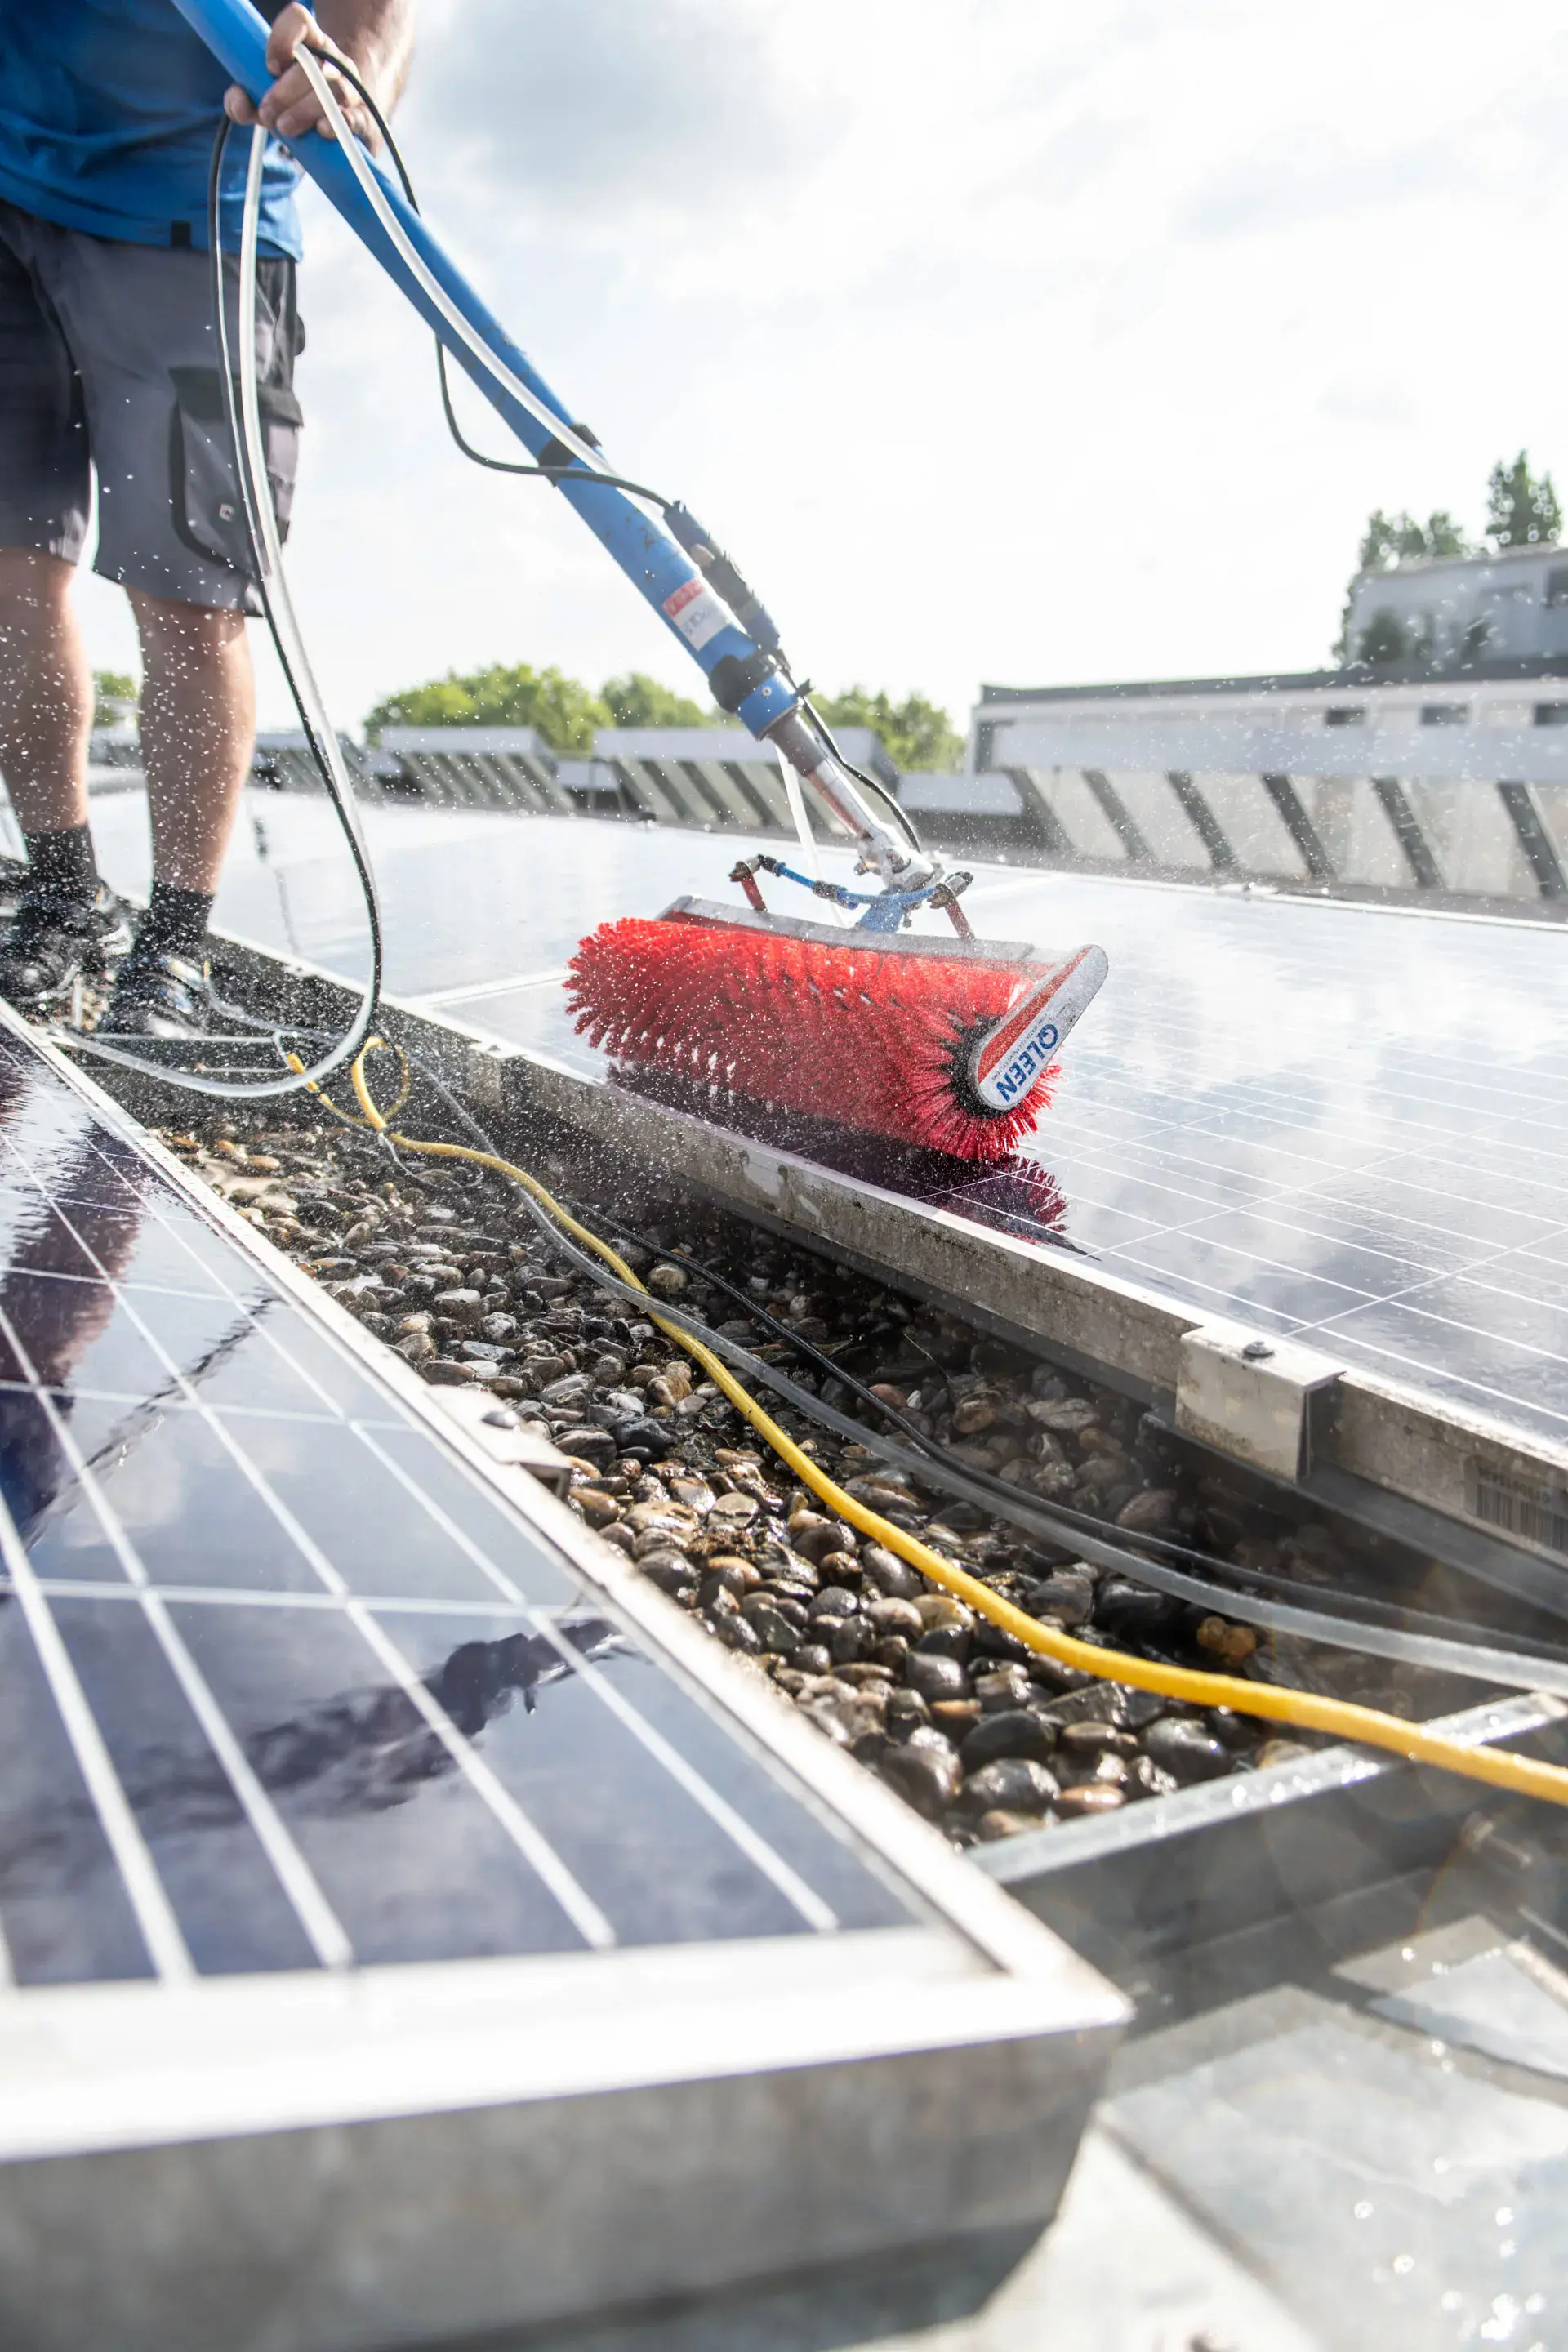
(1339, 1121)
(283, 1684)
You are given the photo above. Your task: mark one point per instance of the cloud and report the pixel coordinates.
(1074, 155)
(1379, 405)
(787, 256)
(1313, 178)
(599, 107)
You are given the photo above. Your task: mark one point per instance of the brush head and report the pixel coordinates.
(879, 1035)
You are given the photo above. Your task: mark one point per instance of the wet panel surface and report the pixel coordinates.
(1290, 1113)
(215, 1755)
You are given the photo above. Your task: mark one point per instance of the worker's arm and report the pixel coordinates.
(374, 36)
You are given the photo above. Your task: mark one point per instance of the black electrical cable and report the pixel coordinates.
(872, 783)
(1001, 1496)
(578, 473)
(1057, 1523)
(574, 472)
(1466, 1656)
(250, 491)
(936, 1465)
(1453, 1649)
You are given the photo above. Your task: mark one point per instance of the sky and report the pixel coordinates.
(998, 341)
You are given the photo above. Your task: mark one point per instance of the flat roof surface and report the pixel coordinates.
(1502, 669)
(1343, 1122)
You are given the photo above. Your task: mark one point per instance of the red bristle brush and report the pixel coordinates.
(898, 1035)
(943, 1042)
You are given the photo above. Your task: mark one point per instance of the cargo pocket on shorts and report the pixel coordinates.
(203, 487)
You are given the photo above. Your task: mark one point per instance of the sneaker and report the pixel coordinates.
(159, 996)
(50, 946)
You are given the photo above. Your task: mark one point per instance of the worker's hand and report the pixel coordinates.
(290, 107)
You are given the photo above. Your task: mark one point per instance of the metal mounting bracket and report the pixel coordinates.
(1249, 1396)
(511, 1443)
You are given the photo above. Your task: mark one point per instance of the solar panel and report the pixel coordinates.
(410, 1926)
(1335, 1120)
(282, 1684)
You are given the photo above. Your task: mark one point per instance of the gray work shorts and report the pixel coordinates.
(109, 365)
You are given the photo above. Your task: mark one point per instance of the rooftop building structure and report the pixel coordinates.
(1441, 614)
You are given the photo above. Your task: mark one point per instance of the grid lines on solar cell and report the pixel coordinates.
(293, 1689)
(1370, 1082)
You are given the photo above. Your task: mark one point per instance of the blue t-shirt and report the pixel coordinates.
(108, 110)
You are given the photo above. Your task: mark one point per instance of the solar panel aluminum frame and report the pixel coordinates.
(413, 2155)
(1185, 1891)
(1432, 1470)
(1378, 1448)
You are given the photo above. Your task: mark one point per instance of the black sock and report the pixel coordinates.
(61, 867)
(175, 922)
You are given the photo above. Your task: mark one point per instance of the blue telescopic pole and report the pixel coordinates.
(652, 560)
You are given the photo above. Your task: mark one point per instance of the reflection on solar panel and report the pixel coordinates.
(1311, 1118)
(427, 1924)
(282, 1686)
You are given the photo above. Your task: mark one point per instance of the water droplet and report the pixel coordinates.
(1503, 2216)
(1403, 2263)
(1364, 2210)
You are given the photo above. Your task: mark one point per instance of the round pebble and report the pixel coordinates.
(891, 1575)
(1186, 1751)
(1013, 1732)
(835, 1602)
(1088, 1796)
(735, 1510)
(883, 1663)
(941, 1609)
(997, 1824)
(669, 1572)
(927, 1778)
(891, 1616)
(1015, 1784)
(774, 1628)
(1091, 1738)
(937, 1678)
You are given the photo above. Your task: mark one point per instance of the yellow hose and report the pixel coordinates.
(1303, 1710)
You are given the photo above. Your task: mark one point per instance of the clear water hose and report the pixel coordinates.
(267, 557)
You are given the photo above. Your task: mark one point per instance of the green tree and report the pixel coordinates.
(1383, 642)
(1398, 539)
(561, 709)
(1445, 535)
(637, 700)
(115, 695)
(915, 733)
(1522, 506)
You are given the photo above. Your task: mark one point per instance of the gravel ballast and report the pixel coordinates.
(441, 1263)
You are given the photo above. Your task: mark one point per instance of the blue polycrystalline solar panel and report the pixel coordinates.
(283, 1682)
(1333, 1121)
(1315, 1118)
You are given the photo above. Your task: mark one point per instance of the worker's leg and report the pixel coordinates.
(171, 532)
(65, 923)
(45, 692)
(198, 730)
